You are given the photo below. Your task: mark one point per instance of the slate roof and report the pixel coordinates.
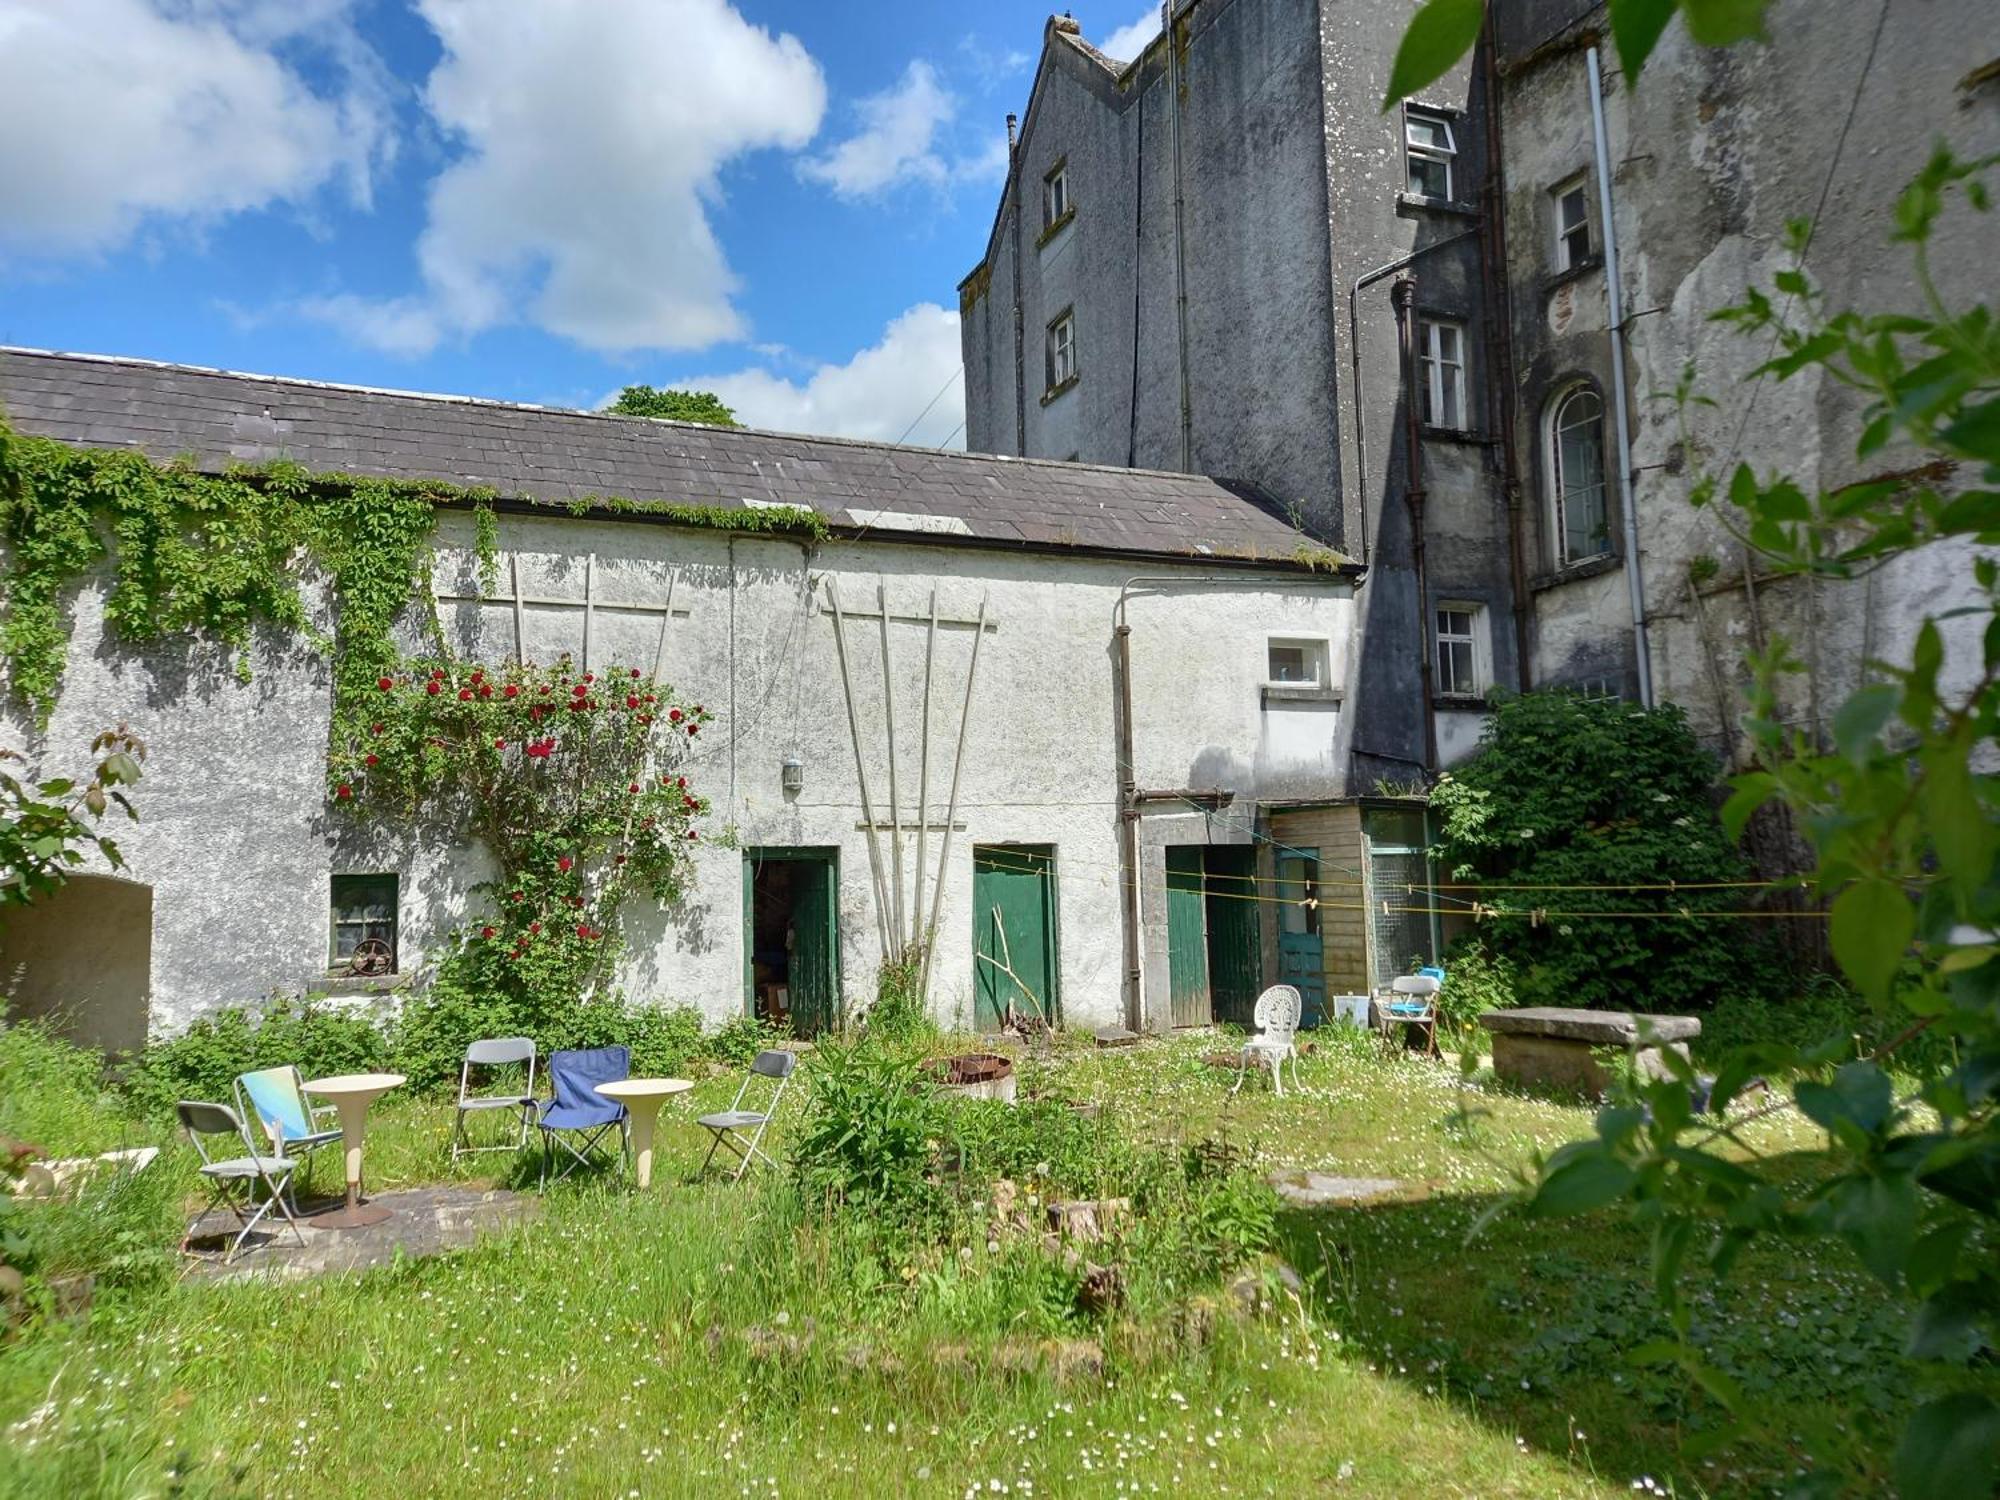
(539, 452)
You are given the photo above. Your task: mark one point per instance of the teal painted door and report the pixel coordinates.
(1235, 962)
(1014, 933)
(1301, 960)
(816, 950)
(1187, 936)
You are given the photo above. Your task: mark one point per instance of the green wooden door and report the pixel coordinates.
(1301, 958)
(816, 948)
(1235, 956)
(1013, 928)
(1187, 936)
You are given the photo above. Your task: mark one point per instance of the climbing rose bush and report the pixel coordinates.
(576, 783)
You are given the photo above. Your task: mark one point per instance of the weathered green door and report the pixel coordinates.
(1013, 933)
(1301, 959)
(816, 948)
(1187, 936)
(1235, 958)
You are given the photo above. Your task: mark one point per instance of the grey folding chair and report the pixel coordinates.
(500, 1052)
(227, 1175)
(729, 1126)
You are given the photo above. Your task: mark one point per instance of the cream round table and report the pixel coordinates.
(642, 1098)
(351, 1094)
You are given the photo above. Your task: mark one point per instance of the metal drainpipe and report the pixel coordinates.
(1634, 580)
(1180, 232)
(1402, 262)
(1500, 348)
(1404, 295)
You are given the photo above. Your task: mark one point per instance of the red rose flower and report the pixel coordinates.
(682, 783)
(694, 729)
(583, 930)
(692, 834)
(564, 862)
(590, 677)
(386, 684)
(371, 760)
(635, 674)
(515, 895)
(486, 690)
(512, 690)
(487, 932)
(433, 687)
(631, 700)
(674, 715)
(698, 708)
(618, 860)
(651, 699)
(465, 695)
(645, 718)
(374, 728)
(577, 902)
(478, 673)
(499, 744)
(579, 691)
(437, 671)
(633, 788)
(535, 927)
(546, 690)
(343, 791)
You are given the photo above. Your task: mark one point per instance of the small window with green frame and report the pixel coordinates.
(364, 916)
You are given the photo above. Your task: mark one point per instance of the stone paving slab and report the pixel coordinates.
(1322, 1190)
(425, 1221)
(1610, 1028)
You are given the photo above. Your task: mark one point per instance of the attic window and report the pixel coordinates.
(1430, 148)
(1055, 195)
(1062, 352)
(1572, 220)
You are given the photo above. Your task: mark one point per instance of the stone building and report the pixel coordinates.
(1151, 644)
(1224, 257)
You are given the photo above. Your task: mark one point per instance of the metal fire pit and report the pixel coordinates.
(975, 1075)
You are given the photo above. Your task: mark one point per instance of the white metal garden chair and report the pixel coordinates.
(1277, 1018)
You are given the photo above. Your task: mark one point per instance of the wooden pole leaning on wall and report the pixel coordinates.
(666, 619)
(895, 952)
(923, 783)
(860, 765)
(951, 811)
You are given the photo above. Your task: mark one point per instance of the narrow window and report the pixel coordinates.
(1460, 647)
(1295, 663)
(364, 923)
(1062, 351)
(1055, 195)
(1576, 472)
(1441, 373)
(1572, 219)
(1429, 149)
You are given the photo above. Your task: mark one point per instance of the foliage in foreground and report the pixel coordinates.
(43, 832)
(1901, 814)
(1577, 805)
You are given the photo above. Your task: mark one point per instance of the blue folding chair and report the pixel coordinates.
(578, 1109)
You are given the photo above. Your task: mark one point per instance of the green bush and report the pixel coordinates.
(870, 1134)
(1475, 981)
(204, 1061)
(1825, 1008)
(1573, 792)
(898, 1014)
(740, 1039)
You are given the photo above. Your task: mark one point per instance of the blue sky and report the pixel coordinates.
(534, 200)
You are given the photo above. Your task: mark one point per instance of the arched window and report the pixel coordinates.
(1576, 475)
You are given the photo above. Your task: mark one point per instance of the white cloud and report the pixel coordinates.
(876, 395)
(594, 133)
(1128, 42)
(117, 112)
(895, 143)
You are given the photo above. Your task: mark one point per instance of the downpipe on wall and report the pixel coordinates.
(1634, 579)
(1404, 296)
(1175, 83)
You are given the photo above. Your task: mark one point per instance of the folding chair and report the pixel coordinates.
(276, 1099)
(497, 1053)
(1277, 1018)
(1413, 1001)
(727, 1126)
(576, 1106)
(223, 1174)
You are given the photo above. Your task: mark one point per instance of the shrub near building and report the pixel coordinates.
(1575, 806)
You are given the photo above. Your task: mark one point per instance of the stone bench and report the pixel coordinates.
(1552, 1047)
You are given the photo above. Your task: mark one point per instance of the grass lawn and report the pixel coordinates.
(705, 1339)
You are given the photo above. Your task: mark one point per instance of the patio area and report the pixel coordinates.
(422, 1222)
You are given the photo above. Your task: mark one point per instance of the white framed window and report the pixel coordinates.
(1572, 222)
(1062, 351)
(1295, 662)
(1441, 372)
(1462, 665)
(1429, 148)
(1575, 442)
(1055, 195)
